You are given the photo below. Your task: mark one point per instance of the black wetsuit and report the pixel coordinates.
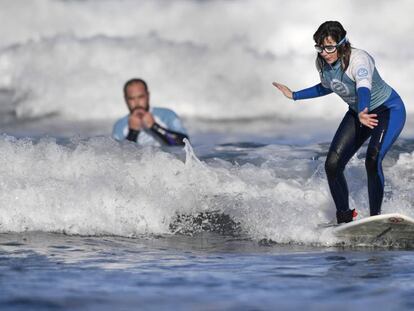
(167, 130)
(167, 136)
(349, 137)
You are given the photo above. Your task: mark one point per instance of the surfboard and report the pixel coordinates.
(395, 227)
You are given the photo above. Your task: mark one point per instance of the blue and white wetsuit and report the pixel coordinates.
(360, 86)
(167, 130)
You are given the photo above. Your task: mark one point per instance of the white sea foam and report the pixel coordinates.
(98, 187)
(205, 59)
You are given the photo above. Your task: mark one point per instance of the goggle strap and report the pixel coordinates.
(344, 40)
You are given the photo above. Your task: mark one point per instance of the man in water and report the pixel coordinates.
(145, 125)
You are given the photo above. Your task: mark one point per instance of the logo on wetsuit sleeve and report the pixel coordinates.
(362, 72)
(339, 87)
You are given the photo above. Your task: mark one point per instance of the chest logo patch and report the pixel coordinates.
(339, 87)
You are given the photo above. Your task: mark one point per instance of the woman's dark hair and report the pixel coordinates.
(334, 30)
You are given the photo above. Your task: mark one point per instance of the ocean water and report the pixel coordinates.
(43, 271)
(230, 221)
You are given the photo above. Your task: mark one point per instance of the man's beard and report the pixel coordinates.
(139, 108)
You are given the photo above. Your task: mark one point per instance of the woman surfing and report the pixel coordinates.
(376, 111)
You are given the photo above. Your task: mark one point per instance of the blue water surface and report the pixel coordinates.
(40, 271)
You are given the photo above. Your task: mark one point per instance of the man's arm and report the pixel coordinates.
(172, 133)
(169, 137)
(134, 125)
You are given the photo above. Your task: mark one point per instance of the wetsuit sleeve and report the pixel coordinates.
(312, 92)
(132, 135)
(364, 98)
(169, 137)
(362, 70)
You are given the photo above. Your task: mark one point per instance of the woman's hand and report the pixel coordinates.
(369, 120)
(284, 89)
